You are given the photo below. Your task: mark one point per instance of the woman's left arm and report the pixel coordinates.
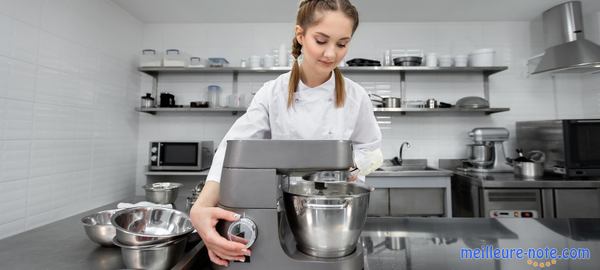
(366, 138)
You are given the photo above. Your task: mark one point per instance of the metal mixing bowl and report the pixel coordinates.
(99, 228)
(326, 218)
(150, 225)
(158, 256)
(162, 193)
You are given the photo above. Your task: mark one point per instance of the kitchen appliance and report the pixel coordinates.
(180, 156)
(147, 101)
(566, 46)
(167, 100)
(270, 223)
(570, 145)
(486, 154)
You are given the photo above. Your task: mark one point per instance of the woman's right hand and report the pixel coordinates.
(220, 250)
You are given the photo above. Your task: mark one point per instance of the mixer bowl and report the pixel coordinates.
(480, 155)
(326, 218)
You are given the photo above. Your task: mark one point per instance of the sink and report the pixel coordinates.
(407, 165)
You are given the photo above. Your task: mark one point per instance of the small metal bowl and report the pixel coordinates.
(157, 256)
(140, 226)
(99, 228)
(162, 193)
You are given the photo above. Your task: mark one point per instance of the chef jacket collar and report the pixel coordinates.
(328, 85)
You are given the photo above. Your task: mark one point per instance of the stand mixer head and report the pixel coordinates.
(288, 222)
(486, 154)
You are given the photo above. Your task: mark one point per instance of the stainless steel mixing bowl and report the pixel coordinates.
(326, 218)
(162, 193)
(157, 256)
(150, 225)
(99, 228)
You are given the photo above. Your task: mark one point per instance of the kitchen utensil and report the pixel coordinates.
(156, 257)
(269, 61)
(162, 193)
(472, 102)
(431, 103)
(521, 157)
(528, 169)
(199, 104)
(167, 100)
(445, 60)
(217, 62)
(482, 58)
(326, 218)
(197, 62)
(388, 102)
(408, 61)
(444, 105)
(99, 228)
(536, 156)
(362, 62)
(147, 101)
(480, 154)
(150, 225)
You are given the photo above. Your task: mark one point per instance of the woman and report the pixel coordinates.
(313, 101)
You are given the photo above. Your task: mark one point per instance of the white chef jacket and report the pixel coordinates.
(313, 116)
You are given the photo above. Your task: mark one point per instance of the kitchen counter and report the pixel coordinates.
(429, 172)
(390, 243)
(509, 180)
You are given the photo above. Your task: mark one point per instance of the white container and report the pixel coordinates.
(255, 61)
(460, 60)
(431, 60)
(269, 61)
(283, 57)
(214, 96)
(482, 58)
(445, 60)
(149, 58)
(174, 58)
(197, 62)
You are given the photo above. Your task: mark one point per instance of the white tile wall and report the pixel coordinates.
(68, 83)
(432, 136)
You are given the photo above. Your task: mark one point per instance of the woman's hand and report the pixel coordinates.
(220, 250)
(205, 217)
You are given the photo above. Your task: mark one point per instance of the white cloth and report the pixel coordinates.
(312, 117)
(123, 205)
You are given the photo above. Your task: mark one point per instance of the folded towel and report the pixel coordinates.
(122, 205)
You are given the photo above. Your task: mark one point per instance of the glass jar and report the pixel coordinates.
(214, 96)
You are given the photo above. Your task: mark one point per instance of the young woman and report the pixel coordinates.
(313, 101)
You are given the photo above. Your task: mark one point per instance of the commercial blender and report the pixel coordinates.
(253, 184)
(486, 154)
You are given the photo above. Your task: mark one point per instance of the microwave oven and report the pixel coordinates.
(572, 146)
(180, 156)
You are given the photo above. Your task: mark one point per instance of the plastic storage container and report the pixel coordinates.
(149, 58)
(482, 58)
(214, 96)
(174, 58)
(197, 62)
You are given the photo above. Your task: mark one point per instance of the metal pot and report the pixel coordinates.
(162, 193)
(326, 218)
(388, 102)
(528, 169)
(480, 155)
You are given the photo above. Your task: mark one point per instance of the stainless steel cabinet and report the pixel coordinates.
(417, 202)
(379, 203)
(577, 203)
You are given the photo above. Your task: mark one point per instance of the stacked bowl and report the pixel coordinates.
(151, 237)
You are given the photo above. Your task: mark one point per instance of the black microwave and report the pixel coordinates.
(572, 146)
(180, 156)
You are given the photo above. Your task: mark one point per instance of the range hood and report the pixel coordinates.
(567, 50)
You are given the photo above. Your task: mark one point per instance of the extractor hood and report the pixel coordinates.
(567, 50)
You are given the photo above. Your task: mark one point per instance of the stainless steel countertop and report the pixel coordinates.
(509, 180)
(431, 172)
(390, 243)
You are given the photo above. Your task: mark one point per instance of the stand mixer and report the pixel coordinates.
(486, 154)
(253, 184)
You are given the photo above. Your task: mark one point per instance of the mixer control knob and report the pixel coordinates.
(242, 231)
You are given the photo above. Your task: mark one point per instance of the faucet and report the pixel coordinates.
(400, 154)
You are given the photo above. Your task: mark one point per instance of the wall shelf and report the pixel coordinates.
(175, 173)
(400, 70)
(376, 110)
